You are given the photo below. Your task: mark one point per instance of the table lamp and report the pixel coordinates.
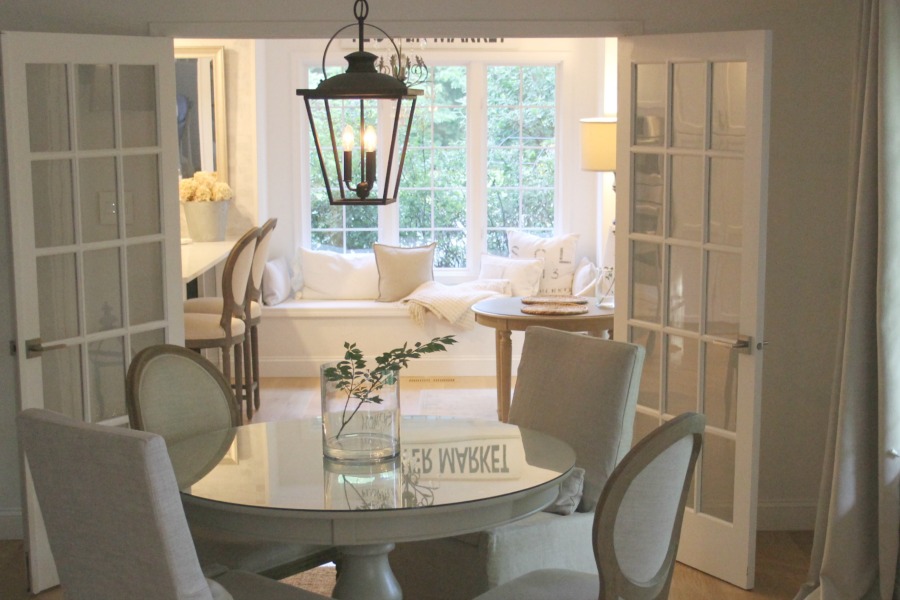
(598, 144)
(598, 153)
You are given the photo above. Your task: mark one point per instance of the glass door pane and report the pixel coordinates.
(98, 227)
(685, 237)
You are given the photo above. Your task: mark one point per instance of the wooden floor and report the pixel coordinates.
(782, 557)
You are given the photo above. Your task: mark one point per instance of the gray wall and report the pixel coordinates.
(813, 58)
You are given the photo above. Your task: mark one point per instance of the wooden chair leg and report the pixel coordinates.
(254, 352)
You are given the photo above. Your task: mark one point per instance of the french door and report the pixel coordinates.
(692, 183)
(92, 152)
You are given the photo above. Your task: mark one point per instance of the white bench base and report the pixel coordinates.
(297, 336)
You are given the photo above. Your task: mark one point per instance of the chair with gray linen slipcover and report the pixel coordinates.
(114, 517)
(178, 394)
(582, 390)
(636, 525)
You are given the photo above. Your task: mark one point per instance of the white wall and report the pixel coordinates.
(813, 58)
(240, 92)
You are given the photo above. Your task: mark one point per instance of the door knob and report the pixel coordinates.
(35, 347)
(743, 343)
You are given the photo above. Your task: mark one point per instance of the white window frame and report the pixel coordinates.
(576, 207)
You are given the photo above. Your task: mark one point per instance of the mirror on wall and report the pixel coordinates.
(200, 89)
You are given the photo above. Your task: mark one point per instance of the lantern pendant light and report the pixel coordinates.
(350, 166)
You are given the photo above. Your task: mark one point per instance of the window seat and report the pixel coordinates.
(297, 336)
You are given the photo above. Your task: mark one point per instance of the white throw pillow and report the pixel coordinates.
(524, 275)
(333, 276)
(276, 281)
(558, 254)
(402, 270)
(585, 278)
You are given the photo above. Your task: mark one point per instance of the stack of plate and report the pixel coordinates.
(554, 305)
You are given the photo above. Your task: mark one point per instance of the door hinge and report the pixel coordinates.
(12, 347)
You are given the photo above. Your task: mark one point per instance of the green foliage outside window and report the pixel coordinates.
(521, 161)
(433, 202)
(433, 190)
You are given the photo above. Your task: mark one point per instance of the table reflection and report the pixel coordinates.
(442, 461)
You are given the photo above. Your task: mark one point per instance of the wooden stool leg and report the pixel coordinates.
(248, 376)
(239, 375)
(254, 357)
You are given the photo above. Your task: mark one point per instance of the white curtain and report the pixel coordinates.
(858, 524)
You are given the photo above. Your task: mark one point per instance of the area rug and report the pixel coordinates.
(319, 580)
(472, 403)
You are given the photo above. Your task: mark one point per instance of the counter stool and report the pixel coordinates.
(252, 308)
(253, 312)
(225, 327)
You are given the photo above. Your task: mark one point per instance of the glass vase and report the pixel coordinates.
(360, 430)
(362, 485)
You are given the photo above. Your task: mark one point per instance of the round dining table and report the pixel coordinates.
(453, 476)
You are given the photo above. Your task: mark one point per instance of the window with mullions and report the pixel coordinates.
(433, 205)
(521, 152)
(433, 190)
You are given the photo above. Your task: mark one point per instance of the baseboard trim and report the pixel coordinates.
(458, 366)
(786, 515)
(11, 525)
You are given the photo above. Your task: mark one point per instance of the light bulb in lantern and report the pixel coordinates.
(369, 141)
(347, 140)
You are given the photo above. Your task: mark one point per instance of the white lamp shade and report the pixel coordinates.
(598, 144)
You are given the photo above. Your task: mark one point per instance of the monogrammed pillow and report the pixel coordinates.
(558, 254)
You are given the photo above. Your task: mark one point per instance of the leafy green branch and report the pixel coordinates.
(360, 384)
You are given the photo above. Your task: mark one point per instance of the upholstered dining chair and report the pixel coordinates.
(225, 328)
(252, 307)
(176, 393)
(114, 517)
(577, 388)
(637, 524)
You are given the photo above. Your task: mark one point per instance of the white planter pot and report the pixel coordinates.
(206, 221)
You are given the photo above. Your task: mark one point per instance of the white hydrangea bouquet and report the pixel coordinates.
(204, 186)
